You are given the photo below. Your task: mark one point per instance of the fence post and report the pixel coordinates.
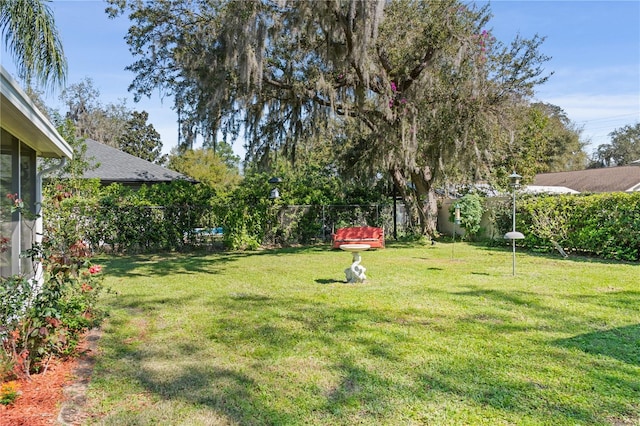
(324, 226)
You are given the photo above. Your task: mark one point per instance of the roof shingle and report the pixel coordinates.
(118, 166)
(608, 179)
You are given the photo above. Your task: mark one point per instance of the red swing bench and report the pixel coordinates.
(370, 235)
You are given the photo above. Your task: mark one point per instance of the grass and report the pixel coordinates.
(436, 336)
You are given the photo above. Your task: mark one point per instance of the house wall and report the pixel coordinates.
(25, 133)
(445, 226)
(17, 176)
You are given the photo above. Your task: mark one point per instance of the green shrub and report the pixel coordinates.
(605, 225)
(470, 213)
(50, 319)
(153, 218)
(45, 317)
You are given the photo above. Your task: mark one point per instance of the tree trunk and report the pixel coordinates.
(421, 200)
(426, 201)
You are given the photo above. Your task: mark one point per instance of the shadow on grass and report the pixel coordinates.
(512, 298)
(161, 264)
(622, 343)
(165, 264)
(613, 298)
(140, 303)
(477, 383)
(240, 393)
(266, 333)
(552, 254)
(329, 281)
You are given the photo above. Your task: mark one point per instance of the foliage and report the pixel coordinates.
(112, 124)
(564, 149)
(471, 211)
(544, 141)
(623, 149)
(156, 217)
(63, 308)
(244, 224)
(73, 169)
(170, 216)
(416, 105)
(44, 316)
(603, 225)
(224, 150)
(103, 123)
(141, 139)
(549, 220)
(16, 293)
(251, 219)
(206, 166)
(31, 37)
(9, 392)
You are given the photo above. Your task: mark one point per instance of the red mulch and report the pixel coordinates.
(40, 399)
(41, 396)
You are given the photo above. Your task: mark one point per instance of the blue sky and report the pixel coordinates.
(594, 45)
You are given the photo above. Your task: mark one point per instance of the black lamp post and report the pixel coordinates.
(513, 235)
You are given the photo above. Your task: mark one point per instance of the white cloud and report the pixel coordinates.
(588, 107)
(598, 114)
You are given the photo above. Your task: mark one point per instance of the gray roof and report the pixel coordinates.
(608, 179)
(118, 166)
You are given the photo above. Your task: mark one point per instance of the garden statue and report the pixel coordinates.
(355, 272)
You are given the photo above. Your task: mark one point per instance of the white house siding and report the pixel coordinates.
(25, 134)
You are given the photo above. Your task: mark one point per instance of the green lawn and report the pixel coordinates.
(438, 335)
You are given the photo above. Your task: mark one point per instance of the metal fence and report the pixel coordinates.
(307, 224)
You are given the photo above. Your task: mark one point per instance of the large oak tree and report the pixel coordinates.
(420, 91)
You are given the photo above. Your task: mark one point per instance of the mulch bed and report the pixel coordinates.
(45, 399)
(40, 398)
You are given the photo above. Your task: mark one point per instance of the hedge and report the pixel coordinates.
(604, 225)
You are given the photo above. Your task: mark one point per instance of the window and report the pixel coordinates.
(17, 176)
(28, 195)
(8, 221)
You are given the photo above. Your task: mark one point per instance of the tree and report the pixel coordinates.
(72, 171)
(565, 150)
(623, 149)
(226, 154)
(544, 140)
(141, 139)
(91, 119)
(418, 90)
(204, 165)
(30, 34)
(112, 124)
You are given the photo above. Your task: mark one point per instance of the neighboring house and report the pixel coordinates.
(115, 166)
(542, 189)
(25, 135)
(608, 179)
